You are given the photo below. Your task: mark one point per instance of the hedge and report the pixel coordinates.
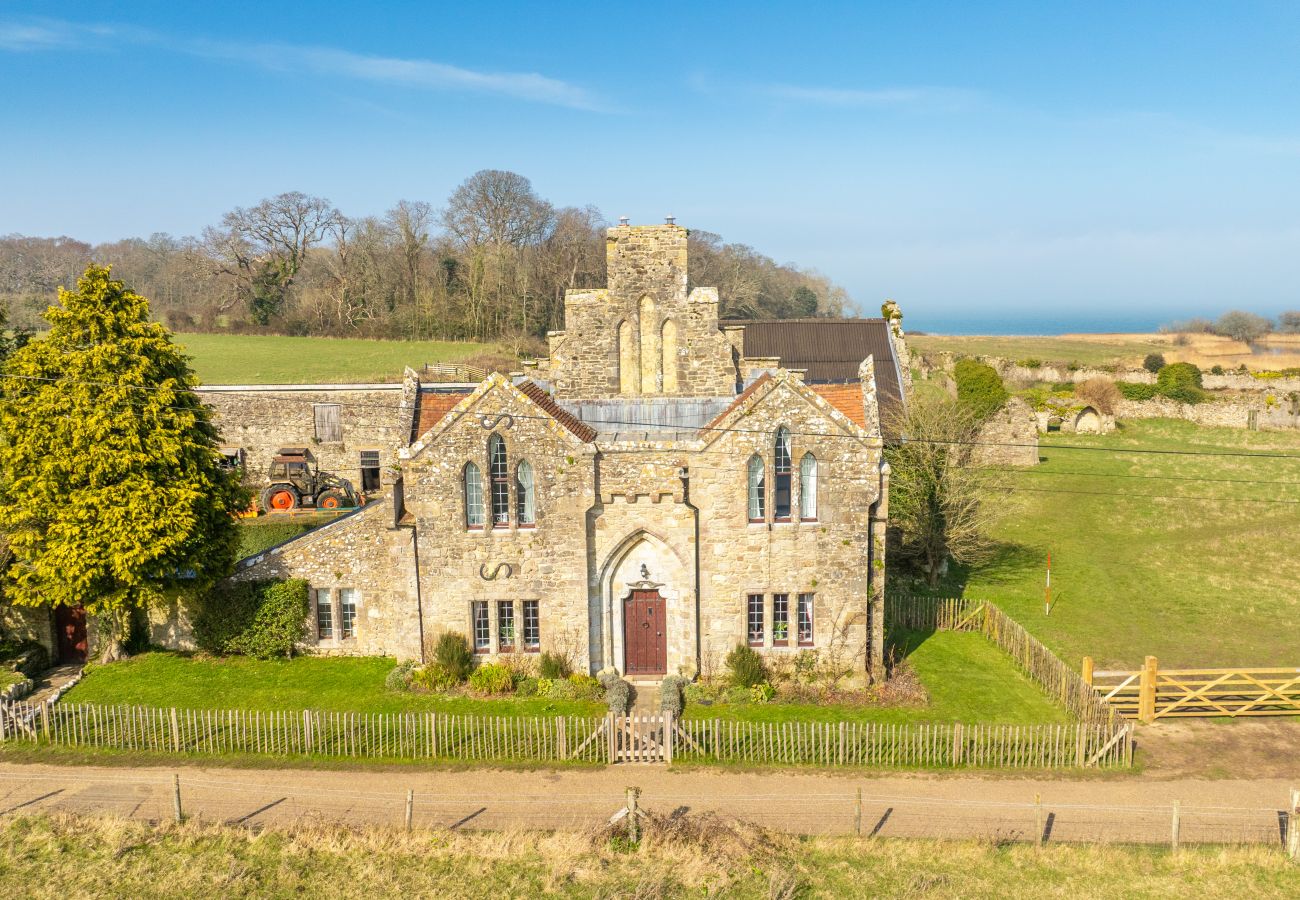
(261, 619)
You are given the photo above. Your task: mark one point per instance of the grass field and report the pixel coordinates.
(305, 682)
(1165, 562)
(60, 857)
(969, 680)
(1096, 350)
(275, 359)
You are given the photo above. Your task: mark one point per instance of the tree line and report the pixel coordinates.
(492, 263)
(1239, 325)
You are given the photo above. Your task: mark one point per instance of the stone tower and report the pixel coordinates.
(644, 335)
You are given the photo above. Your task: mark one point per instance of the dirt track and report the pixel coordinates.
(1103, 809)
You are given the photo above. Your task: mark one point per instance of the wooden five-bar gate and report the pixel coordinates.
(1152, 693)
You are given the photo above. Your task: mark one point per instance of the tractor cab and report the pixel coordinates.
(295, 465)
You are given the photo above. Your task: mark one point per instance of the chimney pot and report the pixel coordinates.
(622, 220)
(671, 220)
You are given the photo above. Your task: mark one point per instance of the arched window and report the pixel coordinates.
(782, 469)
(808, 488)
(498, 474)
(525, 499)
(473, 496)
(757, 498)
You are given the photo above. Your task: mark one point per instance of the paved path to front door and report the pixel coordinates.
(52, 681)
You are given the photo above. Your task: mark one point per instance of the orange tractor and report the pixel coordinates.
(297, 481)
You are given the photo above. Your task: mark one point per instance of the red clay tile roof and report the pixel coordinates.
(740, 398)
(847, 398)
(580, 429)
(432, 406)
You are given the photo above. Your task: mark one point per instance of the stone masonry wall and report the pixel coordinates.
(261, 420)
(647, 290)
(363, 551)
(832, 557)
(1009, 437)
(547, 562)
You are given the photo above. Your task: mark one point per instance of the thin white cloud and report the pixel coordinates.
(16, 36)
(417, 74)
(324, 62)
(880, 98)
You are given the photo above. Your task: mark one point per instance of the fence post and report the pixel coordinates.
(1175, 827)
(840, 758)
(176, 732)
(45, 719)
(613, 738)
(633, 833)
(668, 736)
(957, 744)
(1293, 826)
(561, 738)
(1038, 816)
(1147, 691)
(176, 797)
(1080, 743)
(306, 731)
(1087, 671)
(410, 808)
(857, 814)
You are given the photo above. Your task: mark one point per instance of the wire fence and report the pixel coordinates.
(293, 801)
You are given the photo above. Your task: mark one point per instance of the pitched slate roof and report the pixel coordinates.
(831, 350)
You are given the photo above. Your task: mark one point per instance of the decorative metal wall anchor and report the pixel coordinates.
(490, 422)
(483, 572)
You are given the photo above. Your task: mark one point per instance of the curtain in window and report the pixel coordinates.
(473, 496)
(525, 498)
(500, 481)
(808, 487)
(782, 469)
(756, 498)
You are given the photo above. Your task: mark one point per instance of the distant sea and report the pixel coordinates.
(1030, 323)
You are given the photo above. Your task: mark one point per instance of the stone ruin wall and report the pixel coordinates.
(1008, 437)
(260, 421)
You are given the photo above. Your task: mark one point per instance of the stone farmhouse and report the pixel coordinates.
(662, 487)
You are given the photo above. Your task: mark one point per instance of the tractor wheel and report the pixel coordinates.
(279, 498)
(330, 500)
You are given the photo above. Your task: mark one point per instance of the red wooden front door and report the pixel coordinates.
(70, 628)
(645, 634)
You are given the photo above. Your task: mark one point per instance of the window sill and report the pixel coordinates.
(757, 645)
(527, 526)
(482, 651)
(474, 528)
(812, 521)
(537, 649)
(758, 521)
(806, 644)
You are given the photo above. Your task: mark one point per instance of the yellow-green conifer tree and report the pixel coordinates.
(111, 491)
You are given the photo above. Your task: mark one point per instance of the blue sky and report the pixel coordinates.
(1024, 165)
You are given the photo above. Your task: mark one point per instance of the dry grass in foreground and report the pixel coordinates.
(690, 855)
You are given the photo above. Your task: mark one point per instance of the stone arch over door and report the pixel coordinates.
(643, 561)
(1088, 421)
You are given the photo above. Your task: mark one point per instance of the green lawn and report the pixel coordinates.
(1192, 581)
(276, 359)
(354, 684)
(264, 532)
(969, 680)
(1045, 349)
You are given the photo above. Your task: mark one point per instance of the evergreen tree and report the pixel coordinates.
(111, 491)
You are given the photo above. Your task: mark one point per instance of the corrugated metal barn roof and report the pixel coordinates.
(830, 350)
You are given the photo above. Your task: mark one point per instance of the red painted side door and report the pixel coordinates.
(70, 629)
(645, 634)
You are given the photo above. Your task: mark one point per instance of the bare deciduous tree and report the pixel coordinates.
(937, 499)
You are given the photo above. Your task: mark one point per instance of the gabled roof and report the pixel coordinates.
(536, 393)
(431, 406)
(830, 350)
(744, 395)
(847, 398)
